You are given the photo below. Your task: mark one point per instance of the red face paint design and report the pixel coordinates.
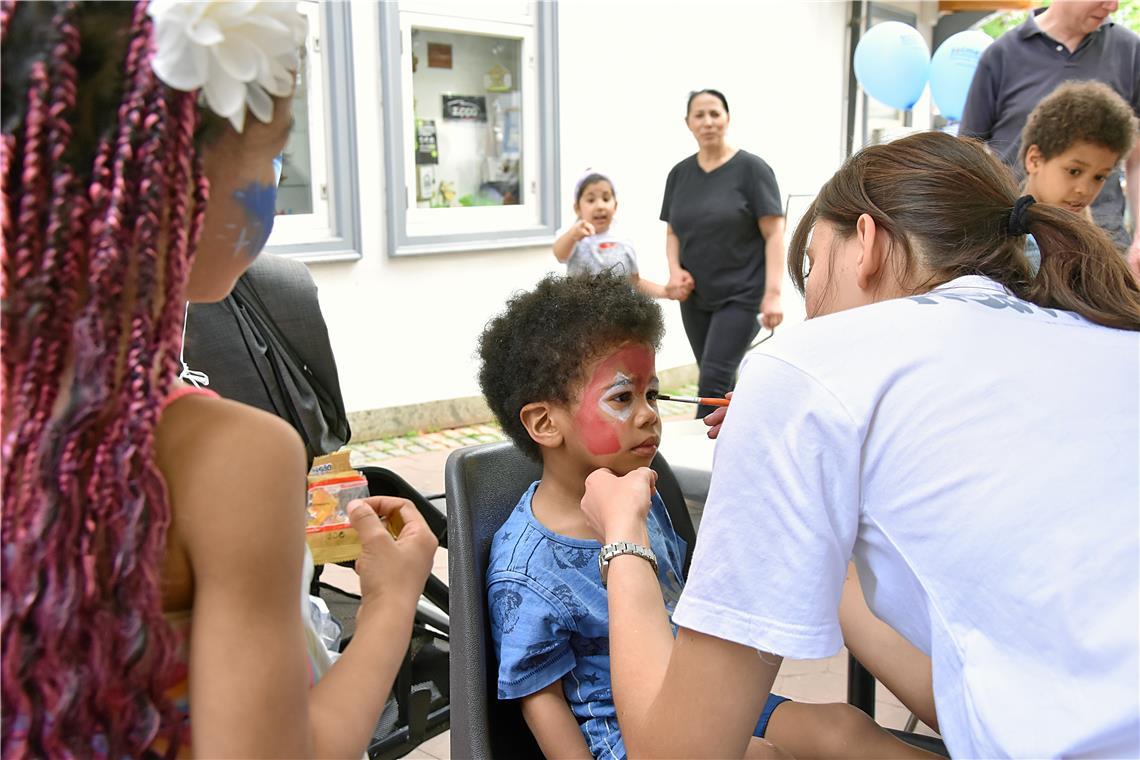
(629, 368)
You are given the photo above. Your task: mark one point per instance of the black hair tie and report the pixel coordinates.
(1018, 221)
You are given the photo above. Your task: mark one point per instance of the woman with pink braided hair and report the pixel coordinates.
(153, 539)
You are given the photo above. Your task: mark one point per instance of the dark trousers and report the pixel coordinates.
(719, 339)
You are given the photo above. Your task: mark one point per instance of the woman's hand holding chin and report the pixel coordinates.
(617, 507)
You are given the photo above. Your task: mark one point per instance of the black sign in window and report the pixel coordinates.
(464, 108)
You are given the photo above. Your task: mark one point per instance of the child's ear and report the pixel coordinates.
(1033, 159)
(536, 417)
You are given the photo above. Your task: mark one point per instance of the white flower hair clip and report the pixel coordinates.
(238, 53)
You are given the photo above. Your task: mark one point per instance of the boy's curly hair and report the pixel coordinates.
(538, 348)
(1079, 112)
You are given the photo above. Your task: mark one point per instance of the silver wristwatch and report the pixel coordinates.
(609, 551)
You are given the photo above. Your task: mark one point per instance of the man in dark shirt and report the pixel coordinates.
(1071, 39)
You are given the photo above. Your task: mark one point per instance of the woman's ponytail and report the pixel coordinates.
(1081, 270)
(950, 208)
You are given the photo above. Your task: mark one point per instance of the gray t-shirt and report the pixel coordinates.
(1025, 65)
(603, 252)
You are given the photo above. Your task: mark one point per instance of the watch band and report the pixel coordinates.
(609, 551)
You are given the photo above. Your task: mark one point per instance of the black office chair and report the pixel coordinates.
(483, 485)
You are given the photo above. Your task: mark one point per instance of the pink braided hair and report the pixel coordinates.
(97, 249)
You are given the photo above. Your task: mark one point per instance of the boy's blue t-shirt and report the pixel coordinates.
(550, 619)
(1033, 253)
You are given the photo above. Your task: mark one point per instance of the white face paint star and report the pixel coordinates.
(243, 242)
(621, 384)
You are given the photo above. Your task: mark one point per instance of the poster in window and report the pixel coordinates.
(464, 108)
(427, 148)
(439, 55)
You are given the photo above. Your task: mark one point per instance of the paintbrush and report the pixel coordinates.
(694, 400)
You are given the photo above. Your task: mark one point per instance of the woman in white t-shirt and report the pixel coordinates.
(964, 429)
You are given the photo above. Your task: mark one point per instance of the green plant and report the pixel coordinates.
(1128, 14)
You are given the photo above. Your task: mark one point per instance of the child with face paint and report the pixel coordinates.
(568, 369)
(590, 247)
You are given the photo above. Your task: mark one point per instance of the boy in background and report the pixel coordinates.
(1071, 143)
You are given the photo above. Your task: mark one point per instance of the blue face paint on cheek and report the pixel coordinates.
(259, 202)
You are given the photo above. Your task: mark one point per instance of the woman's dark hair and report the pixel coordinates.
(707, 91)
(1075, 112)
(103, 201)
(539, 347)
(945, 202)
(590, 179)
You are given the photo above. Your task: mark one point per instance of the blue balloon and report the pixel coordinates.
(952, 70)
(891, 63)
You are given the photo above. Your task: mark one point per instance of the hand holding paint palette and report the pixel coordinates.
(694, 400)
(333, 483)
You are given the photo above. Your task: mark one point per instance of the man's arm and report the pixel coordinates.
(549, 718)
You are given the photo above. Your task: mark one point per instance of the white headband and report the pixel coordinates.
(591, 173)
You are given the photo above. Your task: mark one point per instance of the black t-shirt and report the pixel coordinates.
(716, 215)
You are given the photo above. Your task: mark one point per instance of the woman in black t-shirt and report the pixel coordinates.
(725, 243)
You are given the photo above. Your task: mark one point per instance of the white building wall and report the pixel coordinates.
(404, 329)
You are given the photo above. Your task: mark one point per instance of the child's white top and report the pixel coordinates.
(980, 457)
(600, 253)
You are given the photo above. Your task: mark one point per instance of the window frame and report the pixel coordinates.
(331, 234)
(487, 228)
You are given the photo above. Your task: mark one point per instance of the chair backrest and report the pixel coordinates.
(483, 485)
(266, 345)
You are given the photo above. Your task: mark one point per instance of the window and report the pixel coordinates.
(470, 125)
(317, 211)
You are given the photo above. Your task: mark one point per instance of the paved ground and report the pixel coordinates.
(420, 460)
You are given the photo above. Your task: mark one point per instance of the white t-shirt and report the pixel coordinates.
(980, 458)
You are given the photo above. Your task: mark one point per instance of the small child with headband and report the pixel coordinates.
(589, 247)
